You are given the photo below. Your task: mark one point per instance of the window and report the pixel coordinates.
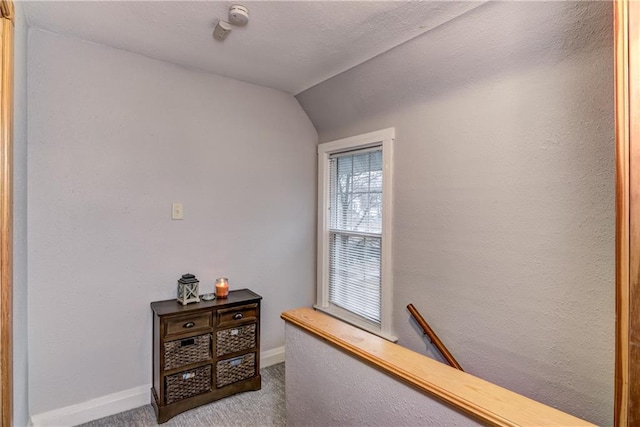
(354, 230)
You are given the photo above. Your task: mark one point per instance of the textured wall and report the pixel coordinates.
(114, 139)
(20, 369)
(327, 387)
(504, 191)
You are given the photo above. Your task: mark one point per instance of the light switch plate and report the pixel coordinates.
(176, 211)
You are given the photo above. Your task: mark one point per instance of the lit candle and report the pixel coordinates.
(222, 287)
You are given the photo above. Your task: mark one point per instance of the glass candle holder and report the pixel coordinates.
(222, 287)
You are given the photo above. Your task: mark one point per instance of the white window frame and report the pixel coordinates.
(384, 138)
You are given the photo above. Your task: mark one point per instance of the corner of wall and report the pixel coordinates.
(20, 282)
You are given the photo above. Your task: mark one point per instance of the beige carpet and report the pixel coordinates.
(264, 407)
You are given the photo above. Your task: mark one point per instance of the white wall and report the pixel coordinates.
(20, 368)
(504, 191)
(114, 139)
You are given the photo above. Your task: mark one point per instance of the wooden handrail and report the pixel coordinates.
(492, 405)
(434, 338)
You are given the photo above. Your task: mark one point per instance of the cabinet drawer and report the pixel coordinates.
(184, 324)
(185, 351)
(186, 384)
(237, 339)
(237, 369)
(237, 315)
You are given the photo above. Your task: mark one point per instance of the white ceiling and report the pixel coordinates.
(287, 45)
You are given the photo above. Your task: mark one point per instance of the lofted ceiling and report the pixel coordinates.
(287, 45)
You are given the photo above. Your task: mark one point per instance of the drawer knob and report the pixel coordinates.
(189, 325)
(238, 316)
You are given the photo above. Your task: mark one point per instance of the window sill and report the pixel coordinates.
(344, 316)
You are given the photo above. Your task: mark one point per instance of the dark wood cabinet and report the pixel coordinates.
(204, 351)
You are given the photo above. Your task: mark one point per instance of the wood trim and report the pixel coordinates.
(6, 209)
(627, 132)
(7, 10)
(485, 401)
(622, 212)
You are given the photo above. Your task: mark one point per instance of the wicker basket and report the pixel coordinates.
(185, 351)
(186, 384)
(235, 339)
(237, 369)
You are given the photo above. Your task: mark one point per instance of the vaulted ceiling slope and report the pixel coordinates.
(493, 40)
(287, 45)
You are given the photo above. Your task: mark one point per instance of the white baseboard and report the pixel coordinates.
(118, 402)
(271, 357)
(94, 409)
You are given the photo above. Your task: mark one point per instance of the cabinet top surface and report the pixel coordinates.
(172, 306)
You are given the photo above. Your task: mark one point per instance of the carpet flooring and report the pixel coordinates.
(264, 407)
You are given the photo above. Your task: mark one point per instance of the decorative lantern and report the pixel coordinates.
(188, 289)
(222, 287)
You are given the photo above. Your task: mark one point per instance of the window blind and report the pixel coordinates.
(355, 232)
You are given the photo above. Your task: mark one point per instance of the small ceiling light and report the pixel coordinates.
(238, 15)
(222, 30)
